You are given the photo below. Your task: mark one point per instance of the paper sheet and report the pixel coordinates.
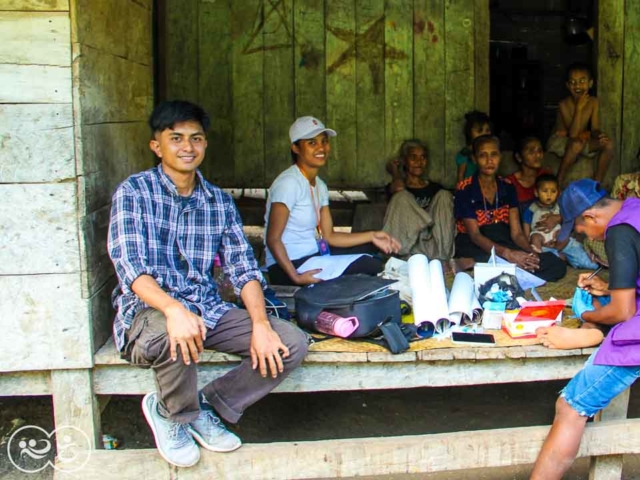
(526, 279)
(428, 293)
(464, 307)
(332, 265)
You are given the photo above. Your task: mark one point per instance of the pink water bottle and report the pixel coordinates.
(332, 324)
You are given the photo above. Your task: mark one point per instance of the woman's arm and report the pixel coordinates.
(278, 218)
(517, 235)
(621, 308)
(395, 170)
(382, 240)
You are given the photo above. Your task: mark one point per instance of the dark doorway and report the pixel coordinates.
(532, 43)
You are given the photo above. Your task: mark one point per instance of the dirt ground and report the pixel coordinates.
(312, 416)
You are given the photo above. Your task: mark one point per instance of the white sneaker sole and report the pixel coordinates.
(149, 416)
(198, 438)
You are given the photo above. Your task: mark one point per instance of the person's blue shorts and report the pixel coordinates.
(595, 386)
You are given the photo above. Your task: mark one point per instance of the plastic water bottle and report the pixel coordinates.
(225, 287)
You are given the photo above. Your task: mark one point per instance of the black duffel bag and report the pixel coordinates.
(368, 298)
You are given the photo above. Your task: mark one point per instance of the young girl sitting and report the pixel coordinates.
(476, 124)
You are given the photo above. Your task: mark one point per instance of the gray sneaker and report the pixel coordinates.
(172, 438)
(209, 431)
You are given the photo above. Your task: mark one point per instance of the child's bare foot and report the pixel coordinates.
(562, 338)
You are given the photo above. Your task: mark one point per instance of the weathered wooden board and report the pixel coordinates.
(309, 59)
(398, 77)
(315, 377)
(180, 56)
(45, 323)
(111, 152)
(102, 314)
(76, 412)
(610, 45)
(35, 38)
(341, 90)
(366, 456)
(247, 33)
(429, 84)
(482, 30)
(100, 24)
(34, 84)
(112, 89)
(215, 90)
(95, 263)
(279, 96)
(139, 39)
(460, 83)
(38, 229)
(630, 148)
(35, 5)
(25, 383)
(370, 88)
(37, 143)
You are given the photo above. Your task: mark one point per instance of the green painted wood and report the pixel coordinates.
(370, 127)
(630, 153)
(429, 84)
(248, 92)
(215, 90)
(279, 91)
(398, 76)
(180, 59)
(309, 58)
(341, 90)
(482, 31)
(459, 76)
(610, 44)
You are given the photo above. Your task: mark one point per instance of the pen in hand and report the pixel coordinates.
(598, 270)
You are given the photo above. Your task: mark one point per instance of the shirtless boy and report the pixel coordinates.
(577, 130)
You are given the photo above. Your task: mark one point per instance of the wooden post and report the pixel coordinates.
(75, 406)
(609, 467)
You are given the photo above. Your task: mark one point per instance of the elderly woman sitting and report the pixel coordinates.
(420, 213)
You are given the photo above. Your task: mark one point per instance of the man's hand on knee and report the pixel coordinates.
(187, 330)
(267, 350)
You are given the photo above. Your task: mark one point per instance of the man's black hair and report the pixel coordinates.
(578, 67)
(472, 119)
(167, 114)
(544, 178)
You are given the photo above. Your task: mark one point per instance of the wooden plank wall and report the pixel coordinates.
(113, 96)
(43, 317)
(377, 71)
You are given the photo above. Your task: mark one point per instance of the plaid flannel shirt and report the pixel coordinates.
(153, 231)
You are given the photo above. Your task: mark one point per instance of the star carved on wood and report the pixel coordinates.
(368, 46)
(279, 8)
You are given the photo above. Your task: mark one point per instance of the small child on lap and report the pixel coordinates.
(546, 192)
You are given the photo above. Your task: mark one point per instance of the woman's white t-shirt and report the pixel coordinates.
(299, 236)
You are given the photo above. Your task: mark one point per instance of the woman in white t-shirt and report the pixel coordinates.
(298, 219)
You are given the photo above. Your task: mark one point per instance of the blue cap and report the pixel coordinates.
(577, 197)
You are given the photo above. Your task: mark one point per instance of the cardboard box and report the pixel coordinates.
(483, 272)
(523, 323)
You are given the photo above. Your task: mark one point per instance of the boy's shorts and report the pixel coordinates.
(557, 145)
(593, 387)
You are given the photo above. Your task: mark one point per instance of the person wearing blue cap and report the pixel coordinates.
(587, 209)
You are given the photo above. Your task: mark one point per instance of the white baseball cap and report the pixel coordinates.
(308, 127)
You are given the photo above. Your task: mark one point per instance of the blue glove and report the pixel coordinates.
(582, 302)
(604, 300)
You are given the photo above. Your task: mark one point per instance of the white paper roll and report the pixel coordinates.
(428, 292)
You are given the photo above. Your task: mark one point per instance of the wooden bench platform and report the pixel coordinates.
(606, 441)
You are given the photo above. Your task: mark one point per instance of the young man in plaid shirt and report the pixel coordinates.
(167, 224)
